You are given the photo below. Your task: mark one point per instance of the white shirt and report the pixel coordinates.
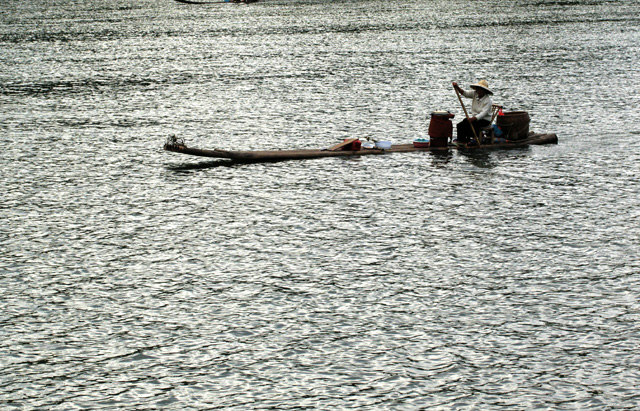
(481, 107)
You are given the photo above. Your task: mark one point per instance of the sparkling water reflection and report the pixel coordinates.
(135, 278)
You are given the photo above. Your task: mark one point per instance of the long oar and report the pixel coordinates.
(467, 115)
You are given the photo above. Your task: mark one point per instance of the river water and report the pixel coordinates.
(134, 278)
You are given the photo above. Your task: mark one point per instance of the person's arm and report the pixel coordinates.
(467, 94)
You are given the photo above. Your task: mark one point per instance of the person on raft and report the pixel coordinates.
(480, 115)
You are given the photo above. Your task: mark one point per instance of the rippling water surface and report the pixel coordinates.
(133, 278)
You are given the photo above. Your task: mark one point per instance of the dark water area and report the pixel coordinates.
(134, 278)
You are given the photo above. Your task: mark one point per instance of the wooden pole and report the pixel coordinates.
(467, 115)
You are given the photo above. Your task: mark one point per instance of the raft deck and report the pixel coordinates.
(282, 155)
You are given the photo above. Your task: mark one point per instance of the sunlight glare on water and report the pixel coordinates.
(136, 278)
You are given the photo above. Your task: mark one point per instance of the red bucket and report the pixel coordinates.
(440, 128)
(354, 146)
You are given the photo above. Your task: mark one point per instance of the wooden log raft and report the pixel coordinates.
(281, 155)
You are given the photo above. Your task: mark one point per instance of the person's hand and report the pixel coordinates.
(472, 119)
(454, 84)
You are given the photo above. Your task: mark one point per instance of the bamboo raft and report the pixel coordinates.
(178, 146)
